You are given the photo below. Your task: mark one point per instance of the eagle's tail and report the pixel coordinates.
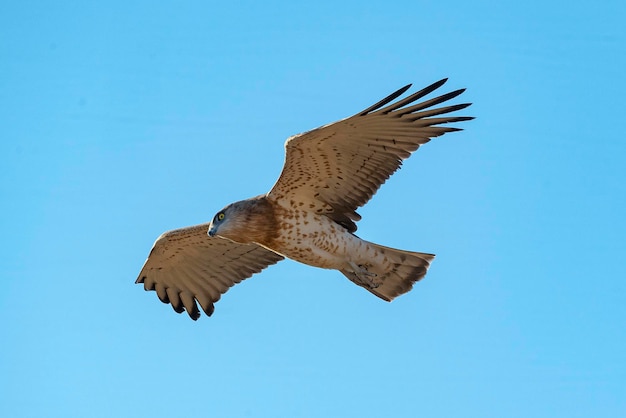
(392, 279)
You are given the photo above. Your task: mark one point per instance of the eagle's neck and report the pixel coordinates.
(254, 220)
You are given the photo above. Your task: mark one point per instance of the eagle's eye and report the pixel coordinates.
(220, 216)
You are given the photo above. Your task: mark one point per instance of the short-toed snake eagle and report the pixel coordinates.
(310, 213)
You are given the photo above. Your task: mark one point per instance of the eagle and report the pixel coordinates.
(309, 215)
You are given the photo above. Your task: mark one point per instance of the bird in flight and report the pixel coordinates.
(309, 215)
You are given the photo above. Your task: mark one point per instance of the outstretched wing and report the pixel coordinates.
(186, 265)
(337, 168)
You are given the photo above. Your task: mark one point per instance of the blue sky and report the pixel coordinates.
(121, 120)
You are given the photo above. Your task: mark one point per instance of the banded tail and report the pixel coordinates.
(407, 268)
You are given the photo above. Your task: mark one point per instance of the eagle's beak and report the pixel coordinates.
(212, 230)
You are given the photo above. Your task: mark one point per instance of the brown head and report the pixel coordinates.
(246, 221)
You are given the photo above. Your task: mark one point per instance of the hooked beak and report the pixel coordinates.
(212, 230)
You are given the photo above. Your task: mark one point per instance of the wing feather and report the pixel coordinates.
(186, 266)
(337, 168)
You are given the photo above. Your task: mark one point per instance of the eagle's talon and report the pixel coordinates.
(366, 277)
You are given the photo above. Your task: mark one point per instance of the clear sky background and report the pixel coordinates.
(121, 120)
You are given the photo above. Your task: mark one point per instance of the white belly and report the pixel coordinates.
(318, 241)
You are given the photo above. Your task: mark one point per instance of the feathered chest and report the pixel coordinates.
(310, 238)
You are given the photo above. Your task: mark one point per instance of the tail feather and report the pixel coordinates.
(406, 268)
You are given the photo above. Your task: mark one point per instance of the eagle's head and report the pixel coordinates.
(224, 221)
(244, 222)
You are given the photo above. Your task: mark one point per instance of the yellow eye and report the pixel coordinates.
(220, 216)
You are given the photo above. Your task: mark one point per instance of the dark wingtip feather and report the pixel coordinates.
(209, 311)
(438, 84)
(194, 314)
(461, 106)
(452, 94)
(460, 119)
(420, 94)
(386, 100)
(429, 89)
(163, 298)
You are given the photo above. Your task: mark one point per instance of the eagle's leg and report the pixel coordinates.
(366, 278)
